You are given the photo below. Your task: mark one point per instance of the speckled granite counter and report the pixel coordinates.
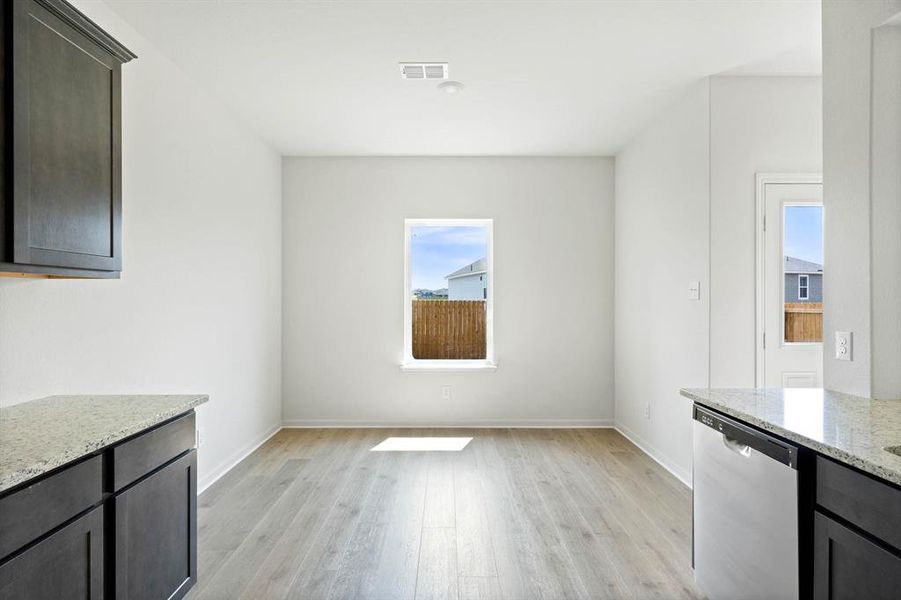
(850, 429)
(39, 436)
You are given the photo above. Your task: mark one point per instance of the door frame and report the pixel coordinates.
(764, 179)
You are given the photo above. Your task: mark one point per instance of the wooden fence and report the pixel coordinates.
(449, 329)
(803, 321)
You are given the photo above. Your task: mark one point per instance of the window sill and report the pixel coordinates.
(448, 366)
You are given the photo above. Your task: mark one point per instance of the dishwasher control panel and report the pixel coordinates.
(747, 435)
(709, 422)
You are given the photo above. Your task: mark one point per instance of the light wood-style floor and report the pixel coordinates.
(518, 514)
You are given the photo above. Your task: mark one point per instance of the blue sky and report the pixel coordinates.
(439, 251)
(804, 232)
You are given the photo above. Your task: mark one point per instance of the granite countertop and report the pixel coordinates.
(41, 435)
(850, 429)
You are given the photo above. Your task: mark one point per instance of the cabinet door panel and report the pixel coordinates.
(156, 533)
(66, 565)
(66, 180)
(848, 566)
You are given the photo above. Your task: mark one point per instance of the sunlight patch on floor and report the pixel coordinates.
(422, 444)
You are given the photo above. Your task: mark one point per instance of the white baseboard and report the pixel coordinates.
(465, 424)
(657, 455)
(229, 463)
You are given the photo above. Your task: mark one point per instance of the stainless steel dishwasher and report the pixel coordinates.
(745, 542)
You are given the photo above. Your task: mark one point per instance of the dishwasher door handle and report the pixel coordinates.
(736, 446)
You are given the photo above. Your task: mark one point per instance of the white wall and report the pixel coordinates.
(757, 125)
(685, 203)
(662, 196)
(198, 306)
(885, 156)
(661, 244)
(343, 289)
(854, 300)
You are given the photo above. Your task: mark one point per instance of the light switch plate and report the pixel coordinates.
(843, 346)
(694, 290)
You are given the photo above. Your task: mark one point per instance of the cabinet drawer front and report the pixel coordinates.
(869, 504)
(31, 512)
(139, 456)
(68, 564)
(156, 533)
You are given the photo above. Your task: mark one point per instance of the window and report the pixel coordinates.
(448, 294)
(802, 273)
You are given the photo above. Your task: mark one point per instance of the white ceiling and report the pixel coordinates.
(542, 78)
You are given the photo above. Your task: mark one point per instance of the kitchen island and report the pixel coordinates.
(835, 491)
(98, 497)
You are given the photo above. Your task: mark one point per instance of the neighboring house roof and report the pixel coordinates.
(441, 292)
(479, 266)
(796, 265)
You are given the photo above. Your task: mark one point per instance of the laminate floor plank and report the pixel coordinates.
(620, 531)
(480, 588)
(525, 569)
(555, 574)
(317, 572)
(440, 510)
(519, 514)
(437, 571)
(475, 553)
(382, 557)
(590, 559)
(225, 525)
(331, 468)
(659, 510)
(400, 527)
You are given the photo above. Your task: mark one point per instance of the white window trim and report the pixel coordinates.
(806, 287)
(408, 363)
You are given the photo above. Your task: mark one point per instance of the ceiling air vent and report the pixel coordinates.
(423, 71)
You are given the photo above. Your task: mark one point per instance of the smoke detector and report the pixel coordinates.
(450, 87)
(423, 71)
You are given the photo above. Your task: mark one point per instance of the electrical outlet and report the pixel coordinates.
(445, 392)
(843, 348)
(199, 440)
(647, 410)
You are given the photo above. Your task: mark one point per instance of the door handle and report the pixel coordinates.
(736, 446)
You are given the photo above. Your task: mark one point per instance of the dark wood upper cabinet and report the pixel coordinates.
(62, 167)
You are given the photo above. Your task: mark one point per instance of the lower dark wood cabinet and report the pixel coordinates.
(849, 566)
(66, 565)
(156, 534)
